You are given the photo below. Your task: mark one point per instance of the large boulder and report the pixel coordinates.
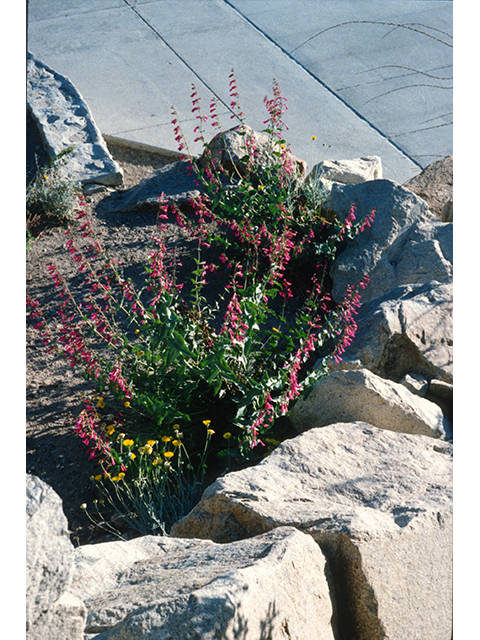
(52, 612)
(378, 503)
(270, 586)
(396, 208)
(435, 185)
(359, 394)
(408, 330)
(230, 148)
(65, 120)
(347, 171)
(175, 182)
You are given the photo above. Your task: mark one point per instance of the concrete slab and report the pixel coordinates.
(132, 60)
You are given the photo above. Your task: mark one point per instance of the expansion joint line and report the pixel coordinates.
(182, 60)
(325, 86)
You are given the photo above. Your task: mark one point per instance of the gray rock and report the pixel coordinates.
(408, 330)
(176, 182)
(348, 171)
(415, 383)
(421, 253)
(270, 586)
(435, 185)
(229, 148)
(64, 119)
(358, 394)
(49, 568)
(378, 503)
(396, 210)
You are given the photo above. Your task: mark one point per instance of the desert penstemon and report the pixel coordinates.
(163, 357)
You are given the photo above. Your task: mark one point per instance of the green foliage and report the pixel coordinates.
(177, 370)
(51, 198)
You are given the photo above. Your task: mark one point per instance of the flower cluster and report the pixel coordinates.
(170, 353)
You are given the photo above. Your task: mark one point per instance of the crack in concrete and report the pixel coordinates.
(323, 84)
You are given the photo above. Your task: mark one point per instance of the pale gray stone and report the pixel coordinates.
(65, 620)
(421, 253)
(348, 171)
(408, 330)
(270, 586)
(49, 566)
(64, 120)
(396, 210)
(359, 394)
(415, 383)
(441, 389)
(378, 503)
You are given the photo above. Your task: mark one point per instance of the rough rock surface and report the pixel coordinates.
(359, 394)
(423, 252)
(408, 330)
(348, 171)
(175, 182)
(64, 119)
(396, 210)
(435, 185)
(229, 149)
(378, 503)
(51, 612)
(271, 586)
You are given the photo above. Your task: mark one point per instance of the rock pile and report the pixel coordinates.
(345, 531)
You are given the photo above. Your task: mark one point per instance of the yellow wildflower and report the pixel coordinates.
(166, 438)
(314, 137)
(101, 403)
(128, 443)
(132, 456)
(110, 429)
(126, 404)
(227, 435)
(152, 443)
(98, 478)
(177, 443)
(168, 454)
(210, 432)
(207, 423)
(157, 461)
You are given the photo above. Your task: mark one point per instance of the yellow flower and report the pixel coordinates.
(132, 456)
(99, 477)
(168, 454)
(116, 479)
(176, 443)
(139, 353)
(166, 438)
(207, 423)
(260, 187)
(152, 443)
(210, 432)
(128, 443)
(227, 435)
(157, 461)
(275, 329)
(110, 429)
(137, 331)
(175, 426)
(121, 474)
(126, 404)
(101, 403)
(314, 137)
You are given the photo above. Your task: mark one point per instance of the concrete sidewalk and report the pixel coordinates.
(368, 77)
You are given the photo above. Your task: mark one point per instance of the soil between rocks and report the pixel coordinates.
(53, 389)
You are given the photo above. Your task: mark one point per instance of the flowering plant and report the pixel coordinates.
(176, 370)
